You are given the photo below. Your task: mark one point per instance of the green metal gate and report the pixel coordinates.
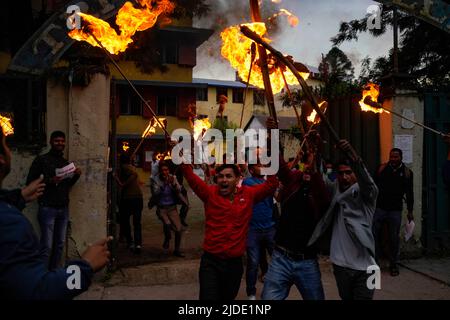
(436, 209)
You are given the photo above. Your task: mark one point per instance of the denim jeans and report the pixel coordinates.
(53, 223)
(393, 220)
(257, 243)
(284, 272)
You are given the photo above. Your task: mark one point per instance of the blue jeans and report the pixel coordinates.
(257, 243)
(284, 272)
(53, 223)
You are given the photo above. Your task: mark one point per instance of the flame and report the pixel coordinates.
(313, 117)
(372, 90)
(151, 128)
(292, 18)
(129, 20)
(236, 49)
(125, 146)
(200, 126)
(6, 125)
(163, 156)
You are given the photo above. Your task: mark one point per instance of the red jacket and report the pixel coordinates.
(226, 223)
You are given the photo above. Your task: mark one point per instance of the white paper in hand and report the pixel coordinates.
(409, 229)
(66, 172)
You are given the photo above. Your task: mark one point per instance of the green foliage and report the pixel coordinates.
(424, 50)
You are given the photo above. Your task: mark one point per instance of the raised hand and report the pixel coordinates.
(346, 147)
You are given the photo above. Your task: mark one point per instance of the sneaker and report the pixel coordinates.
(252, 297)
(178, 254)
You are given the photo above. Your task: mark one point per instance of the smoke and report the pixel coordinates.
(225, 13)
(318, 22)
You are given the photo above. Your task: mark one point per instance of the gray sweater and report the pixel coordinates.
(351, 213)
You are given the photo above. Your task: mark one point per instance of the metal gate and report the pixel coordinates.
(360, 128)
(436, 209)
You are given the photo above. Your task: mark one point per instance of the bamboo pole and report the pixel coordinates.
(307, 91)
(256, 17)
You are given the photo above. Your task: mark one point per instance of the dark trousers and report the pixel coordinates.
(393, 219)
(220, 279)
(131, 208)
(352, 284)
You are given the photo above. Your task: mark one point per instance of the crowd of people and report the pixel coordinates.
(277, 225)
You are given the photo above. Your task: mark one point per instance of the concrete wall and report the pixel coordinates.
(88, 149)
(390, 126)
(20, 164)
(175, 73)
(83, 114)
(135, 125)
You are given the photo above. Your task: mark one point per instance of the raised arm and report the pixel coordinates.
(285, 174)
(367, 186)
(264, 190)
(199, 186)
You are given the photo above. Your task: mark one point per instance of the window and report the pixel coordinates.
(221, 91)
(167, 105)
(130, 104)
(202, 94)
(259, 97)
(238, 95)
(23, 100)
(170, 53)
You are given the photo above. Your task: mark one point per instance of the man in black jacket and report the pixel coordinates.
(394, 181)
(53, 212)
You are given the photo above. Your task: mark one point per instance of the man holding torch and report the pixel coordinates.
(228, 211)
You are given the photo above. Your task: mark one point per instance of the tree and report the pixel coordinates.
(424, 50)
(336, 66)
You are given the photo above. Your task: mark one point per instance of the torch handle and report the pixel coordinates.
(131, 85)
(255, 37)
(377, 105)
(256, 17)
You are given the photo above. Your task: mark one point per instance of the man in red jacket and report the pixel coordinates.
(228, 210)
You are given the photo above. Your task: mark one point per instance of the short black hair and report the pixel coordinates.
(57, 134)
(164, 163)
(224, 166)
(400, 152)
(343, 162)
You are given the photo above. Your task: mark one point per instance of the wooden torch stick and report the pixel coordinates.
(256, 17)
(368, 100)
(281, 58)
(131, 85)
